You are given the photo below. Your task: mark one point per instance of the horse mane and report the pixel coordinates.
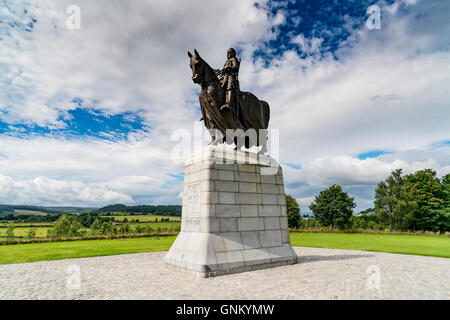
(210, 73)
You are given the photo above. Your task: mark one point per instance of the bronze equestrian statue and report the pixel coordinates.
(224, 106)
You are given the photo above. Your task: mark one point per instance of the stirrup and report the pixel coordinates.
(224, 107)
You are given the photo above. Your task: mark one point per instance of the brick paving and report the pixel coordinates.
(320, 274)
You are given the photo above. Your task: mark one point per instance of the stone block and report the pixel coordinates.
(207, 185)
(270, 199)
(284, 223)
(207, 210)
(270, 238)
(278, 254)
(227, 241)
(248, 198)
(256, 256)
(227, 211)
(207, 174)
(207, 197)
(247, 168)
(281, 200)
(268, 179)
(250, 224)
(225, 175)
(272, 223)
(269, 210)
(210, 225)
(225, 166)
(250, 239)
(227, 198)
(270, 188)
(228, 224)
(249, 187)
(246, 177)
(279, 179)
(230, 259)
(285, 236)
(249, 210)
(227, 186)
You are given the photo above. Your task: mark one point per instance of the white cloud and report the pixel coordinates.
(348, 171)
(388, 90)
(45, 191)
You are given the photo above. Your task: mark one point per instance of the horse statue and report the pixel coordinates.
(249, 120)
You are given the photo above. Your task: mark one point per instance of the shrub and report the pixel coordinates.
(66, 225)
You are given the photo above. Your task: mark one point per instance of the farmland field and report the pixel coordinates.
(142, 218)
(18, 212)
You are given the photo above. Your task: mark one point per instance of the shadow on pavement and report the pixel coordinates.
(336, 257)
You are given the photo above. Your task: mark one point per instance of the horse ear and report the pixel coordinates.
(189, 54)
(196, 53)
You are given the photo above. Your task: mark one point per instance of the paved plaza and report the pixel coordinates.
(320, 274)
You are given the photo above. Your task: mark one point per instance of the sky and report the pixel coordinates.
(87, 115)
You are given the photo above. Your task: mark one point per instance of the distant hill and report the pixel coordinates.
(161, 210)
(6, 209)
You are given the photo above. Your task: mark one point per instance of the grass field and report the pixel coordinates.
(405, 244)
(18, 212)
(79, 249)
(22, 232)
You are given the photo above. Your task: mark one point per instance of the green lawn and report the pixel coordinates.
(77, 249)
(405, 244)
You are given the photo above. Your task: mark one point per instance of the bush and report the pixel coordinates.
(31, 233)
(10, 231)
(67, 226)
(102, 227)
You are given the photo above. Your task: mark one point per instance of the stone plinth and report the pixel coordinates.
(234, 214)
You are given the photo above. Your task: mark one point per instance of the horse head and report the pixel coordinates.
(201, 71)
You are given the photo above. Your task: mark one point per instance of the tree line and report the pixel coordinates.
(161, 210)
(418, 201)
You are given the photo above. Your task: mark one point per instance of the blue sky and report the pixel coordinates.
(86, 116)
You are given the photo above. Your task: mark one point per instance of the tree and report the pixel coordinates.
(428, 195)
(293, 212)
(31, 233)
(66, 225)
(389, 203)
(125, 220)
(10, 231)
(333, 207)
(102, 227)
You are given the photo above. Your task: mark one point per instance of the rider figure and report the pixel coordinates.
(230, 80)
